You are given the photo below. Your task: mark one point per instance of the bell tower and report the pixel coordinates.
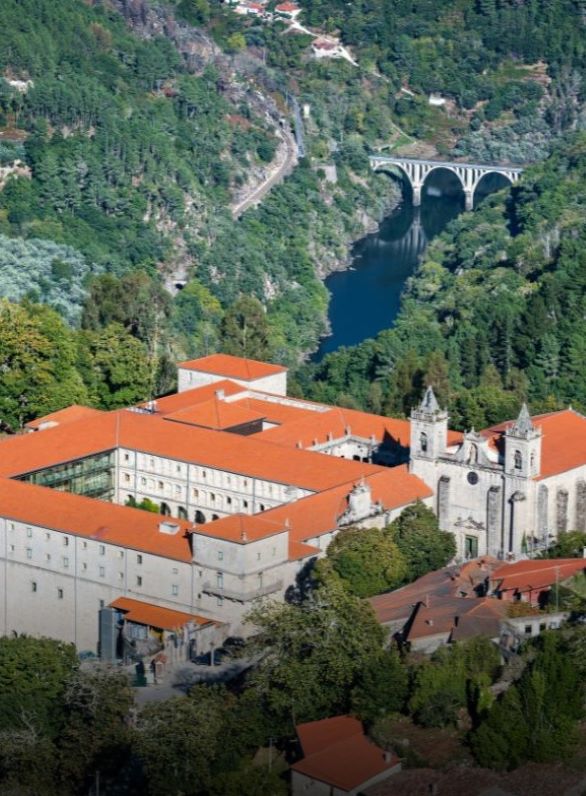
(429, 429)
(523, 447)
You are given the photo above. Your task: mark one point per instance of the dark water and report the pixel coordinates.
(366, 299)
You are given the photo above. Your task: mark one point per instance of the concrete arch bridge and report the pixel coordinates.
(469, 174)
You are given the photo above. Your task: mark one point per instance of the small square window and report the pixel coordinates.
(121, 576)
(84, 545)
(138, 580)
(527, 630)
(84, 567)
(126, 457)
(143, 481)
(34, 585)
(65, 561)
(229, 501)
(160, 485)
(102, 550)
(102, 603)
(175, 571)
(66, 541)
(139, 559)
(121, 554)
(220, 555)
(102, 571)
(11, 526)
(29, 533)
(178, 468)
(245, 503)
(47, 536)
(59, 594)
(258, 556)
(127, 477)
(29, 552)
(174, 590)
(12, 548)
(48, 556)
(177, 488)
(195, 493)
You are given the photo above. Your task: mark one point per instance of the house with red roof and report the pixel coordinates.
(338, 759)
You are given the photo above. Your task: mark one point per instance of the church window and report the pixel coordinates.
(518, 460)
(423, 442)
(472, 478)
(473, 454)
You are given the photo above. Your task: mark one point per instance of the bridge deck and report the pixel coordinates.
(445, 163)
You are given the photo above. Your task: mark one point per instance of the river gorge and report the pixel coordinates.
(365, 299)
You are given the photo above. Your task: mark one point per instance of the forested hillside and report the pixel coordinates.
(495, 313)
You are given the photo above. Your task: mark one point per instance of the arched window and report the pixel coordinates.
(423, 442)
(165, 510)
(182, 513)
(200, 517)
(518, 460)
(473, 454)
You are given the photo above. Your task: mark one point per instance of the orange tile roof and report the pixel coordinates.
(216, 414)
(442, 615)
(241, 528)
(298, 550)
(563, 445)
(93, 519)
(67, 415)
(533, 575)
(181, 400)
(232, 367)
(338, 753)
(155, 616)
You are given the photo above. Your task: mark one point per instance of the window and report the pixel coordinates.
(139, 559)
(178, 489)
(160, 485)
(48, 556)
(262, 506)
(102, 571)
(138, 580)
(195, 493)
(527, 630)
(220, 555)
(518, 460)
(245, 504)
(84, 567)
(229, 501)
(274, 551)
(220, 580)
(220, 602)
(203, 474)
(29, 552)
(127, 477)
(65, 561)
(66, 541)
(84, 545)
(126, 457)
(175, 571)
(212, 497)
(178, 468)
(11, 526)
(121, 576)
(59, 594)
(121, 554)
(143, 481)
(152, 462)
(245, 483)
(174, 590)
(12, 548)
(102, 549)
(29, 533)
(34, 585)
(473, 455)
(423, 442)
(47, 536)
(102, 603)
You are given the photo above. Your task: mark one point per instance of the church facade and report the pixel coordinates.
(508, 490)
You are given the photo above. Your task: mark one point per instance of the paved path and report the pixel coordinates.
(277, 173)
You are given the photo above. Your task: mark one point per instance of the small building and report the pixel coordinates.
(436, 100)
(339, 759)
(246, 372)
(326, 48)
(250, 9)
(532, 580)
(289, 10)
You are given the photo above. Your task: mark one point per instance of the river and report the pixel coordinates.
(365, 299)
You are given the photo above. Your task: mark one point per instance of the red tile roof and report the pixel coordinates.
(233, 367)
(563, 445)
(215, 414)
(181, 400)
(534, 575)
(154, 616)
(93, 519)
(466, 618)
(62, 416)
(338, 753)
(241, 528)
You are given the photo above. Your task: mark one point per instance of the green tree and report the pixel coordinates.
(245, 331)
(312, 654)
(366, 559)
(420, 541)
(382, 687)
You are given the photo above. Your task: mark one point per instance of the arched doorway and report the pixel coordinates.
(199, 517)
(165, 510)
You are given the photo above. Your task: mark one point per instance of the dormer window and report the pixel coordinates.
(423, 442)
(518, 460)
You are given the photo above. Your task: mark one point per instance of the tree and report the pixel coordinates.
(312, 654)
(366, 559)
(33, 677)
(569, 544)
(177, 740)
(244, 329)
(418, 537)
(382, 687)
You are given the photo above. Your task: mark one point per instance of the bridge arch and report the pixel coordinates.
(417, 172)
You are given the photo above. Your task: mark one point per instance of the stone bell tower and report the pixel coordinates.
(523, 447)
(429, 429)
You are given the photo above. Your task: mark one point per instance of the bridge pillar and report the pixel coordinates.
(469, 199)
(417, 195)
